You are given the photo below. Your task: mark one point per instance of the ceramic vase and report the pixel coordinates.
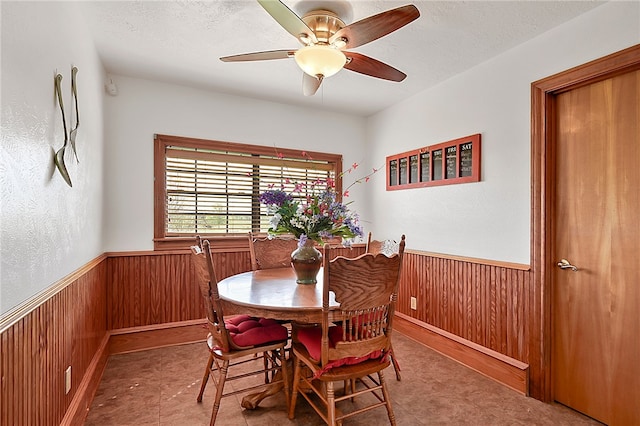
(306, 261)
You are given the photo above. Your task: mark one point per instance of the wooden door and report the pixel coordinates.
(596, 227)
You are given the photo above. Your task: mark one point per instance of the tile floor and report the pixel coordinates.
(159, 387)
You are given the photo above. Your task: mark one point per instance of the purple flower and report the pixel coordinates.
(275, 197)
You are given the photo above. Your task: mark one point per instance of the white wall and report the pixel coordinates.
(47, 229)
(489, 219)
(143, 108)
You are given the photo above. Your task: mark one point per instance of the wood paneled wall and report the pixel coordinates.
(487, 304)
(64, 327)
(148, 288)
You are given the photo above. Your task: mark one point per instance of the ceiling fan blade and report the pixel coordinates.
(310, 84)
(366, 65)
(288, 19)
(376, 26)
(259, 56)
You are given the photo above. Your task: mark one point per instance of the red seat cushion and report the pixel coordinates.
(246, 331)
(311, 338)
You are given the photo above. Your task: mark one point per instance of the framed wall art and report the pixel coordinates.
(451, 162)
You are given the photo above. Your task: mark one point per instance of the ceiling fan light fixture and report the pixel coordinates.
(320, 60)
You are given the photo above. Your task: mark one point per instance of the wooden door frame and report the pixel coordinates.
(543, 94)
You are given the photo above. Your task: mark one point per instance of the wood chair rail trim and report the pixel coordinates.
(16, 314)
(488, 262)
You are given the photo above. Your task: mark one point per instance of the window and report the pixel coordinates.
(212, 188)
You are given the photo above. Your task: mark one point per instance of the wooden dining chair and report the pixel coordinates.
(366, 287)
(236, 340)
(387, 247)
(269, 253)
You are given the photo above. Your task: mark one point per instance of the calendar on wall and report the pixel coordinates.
(455, 161)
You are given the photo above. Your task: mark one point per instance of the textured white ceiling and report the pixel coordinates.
(181, 42)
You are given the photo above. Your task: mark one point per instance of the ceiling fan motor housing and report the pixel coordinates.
(323, 23)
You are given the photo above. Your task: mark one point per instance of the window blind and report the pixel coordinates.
(214, 192)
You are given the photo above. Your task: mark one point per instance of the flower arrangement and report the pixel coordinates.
(316, 216)
(314, 212)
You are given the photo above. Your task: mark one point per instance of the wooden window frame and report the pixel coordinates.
(220, 242)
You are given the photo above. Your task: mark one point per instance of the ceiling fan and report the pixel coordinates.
(326, 37)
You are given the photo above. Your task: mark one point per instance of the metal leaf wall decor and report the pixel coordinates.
(59, 155)
(74, 131)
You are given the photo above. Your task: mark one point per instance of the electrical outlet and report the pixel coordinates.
(67, 380)
(414, 303)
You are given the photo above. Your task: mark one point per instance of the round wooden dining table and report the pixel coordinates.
(273, 293)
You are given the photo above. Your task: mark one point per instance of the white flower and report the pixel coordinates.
(275, 220)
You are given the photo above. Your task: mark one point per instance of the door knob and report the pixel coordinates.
(565, 264)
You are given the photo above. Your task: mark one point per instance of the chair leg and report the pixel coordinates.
(387, 400)
(396, 366)
(350, 388)
(285, 377)
(219, 391)
(331, 403)
(265, 359)
(294, 390)
(205, 378)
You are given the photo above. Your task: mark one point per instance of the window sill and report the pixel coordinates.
(224, 244)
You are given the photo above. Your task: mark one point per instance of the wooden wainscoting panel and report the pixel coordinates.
(157, 336)
(147, 288)
(486, 304)
(157, 288)
(65, 329)
(77, 411)
(505, 370)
